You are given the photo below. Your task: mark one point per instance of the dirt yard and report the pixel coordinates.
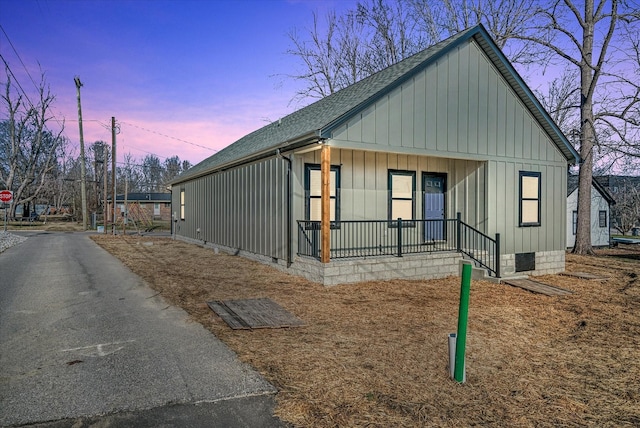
(375, 353)
(48, 226)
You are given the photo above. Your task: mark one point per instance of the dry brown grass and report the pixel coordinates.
(48, 226)
(375, 353)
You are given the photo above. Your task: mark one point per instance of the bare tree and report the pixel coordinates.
(152, 172)
(562, 99)
(58, 191)
(394, 33)
(340, 50)
(625, 214)
(583, 38)
(29, 148)
(173, 167)
(597, 41)
(504, 19)
(129, 176)
(332, 53)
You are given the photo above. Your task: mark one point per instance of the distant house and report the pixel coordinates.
(601, 201)
(617, 183)
(444, 156)
(153, 206)
(625, 189)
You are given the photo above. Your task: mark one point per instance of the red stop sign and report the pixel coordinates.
(6, 196)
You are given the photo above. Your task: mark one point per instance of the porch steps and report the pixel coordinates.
(482, 274)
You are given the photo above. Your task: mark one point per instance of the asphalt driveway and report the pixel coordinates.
(82, 339)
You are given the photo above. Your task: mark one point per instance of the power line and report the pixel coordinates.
(141, 165)
(56, 119)
(169, 136)
(18, 55)
(92, 120)
(30, 77)
(15, 79)
(144, 151)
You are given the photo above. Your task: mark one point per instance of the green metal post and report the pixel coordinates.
(463, 312)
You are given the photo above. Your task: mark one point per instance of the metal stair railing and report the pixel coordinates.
(366, 238)
(481, 248)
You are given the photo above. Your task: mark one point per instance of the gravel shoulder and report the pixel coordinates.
(8, 240)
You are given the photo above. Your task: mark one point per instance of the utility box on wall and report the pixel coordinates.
(525, 262)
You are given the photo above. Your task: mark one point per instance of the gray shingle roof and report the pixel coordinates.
(145, 196)
(311, 121)
(572, 185)
(316, 116)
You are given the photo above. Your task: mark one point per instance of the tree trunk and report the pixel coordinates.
(587, 136)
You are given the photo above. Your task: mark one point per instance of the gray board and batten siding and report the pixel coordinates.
(457, 108)
(462, 109)
(320, 119)
(240, 208)
(364, 193)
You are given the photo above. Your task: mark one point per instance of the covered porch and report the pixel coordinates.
(343, 223)
(354, 239)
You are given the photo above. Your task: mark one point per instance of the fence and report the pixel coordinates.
(367, 238)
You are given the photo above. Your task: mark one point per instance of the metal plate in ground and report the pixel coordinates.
(537, 287)
(586, 275)
(254, 313)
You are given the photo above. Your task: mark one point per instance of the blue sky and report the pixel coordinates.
(205, 72)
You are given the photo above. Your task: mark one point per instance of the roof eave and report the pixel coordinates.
(491, 49)
(291, 144)
(604, 192)
(484, 40)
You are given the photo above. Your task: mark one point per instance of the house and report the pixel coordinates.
(626, 191)
(601, 200)
(443, 156)
(147, 205)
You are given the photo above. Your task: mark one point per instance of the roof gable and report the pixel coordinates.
(572, 186)
(317, 120)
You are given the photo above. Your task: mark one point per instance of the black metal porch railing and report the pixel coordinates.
(366, 238)
(483, 249)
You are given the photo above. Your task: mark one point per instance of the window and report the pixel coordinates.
(182, 204)
(530, 198)
(313, 191)
(575, 222)
(402, 190)
(602, 218)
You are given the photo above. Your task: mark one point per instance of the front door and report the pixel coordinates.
(433, 189)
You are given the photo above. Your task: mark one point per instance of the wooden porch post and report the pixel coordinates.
(325, 202)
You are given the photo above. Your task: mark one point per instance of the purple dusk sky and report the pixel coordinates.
(170, 72)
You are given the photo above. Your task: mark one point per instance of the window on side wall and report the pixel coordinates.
(575, 222)
(402, 191)
(313, 193)
(530, 198)
(602, 218)
(182, 204)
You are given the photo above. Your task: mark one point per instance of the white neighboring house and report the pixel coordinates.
(601, 200)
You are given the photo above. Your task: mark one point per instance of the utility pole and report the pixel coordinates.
(113, 171)
(83, 171)
(95, 182)
(105, 208)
